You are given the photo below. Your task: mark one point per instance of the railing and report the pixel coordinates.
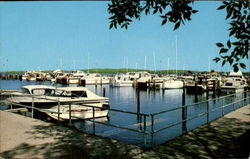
(148, 126)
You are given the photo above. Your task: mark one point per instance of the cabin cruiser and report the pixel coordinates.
(74, 78)
(235, 82)
(46, 96)
(49, 99)
(122, 80)
(77, 112)
(94, 79)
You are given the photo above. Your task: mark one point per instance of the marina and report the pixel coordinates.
(124, 79)
(143, 117)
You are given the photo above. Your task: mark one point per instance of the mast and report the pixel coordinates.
(154, 61)
(145, 62)
(88, 62)
(176, 55)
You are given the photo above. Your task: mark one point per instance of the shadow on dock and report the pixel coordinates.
(225, 138)
(68, 144)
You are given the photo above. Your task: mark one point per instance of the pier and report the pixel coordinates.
(24, 137)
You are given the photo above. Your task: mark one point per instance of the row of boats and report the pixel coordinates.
(68, 102)
(233, 82)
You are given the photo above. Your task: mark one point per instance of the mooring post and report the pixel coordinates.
(93, 111)
(184, 112)
(196, 92)
(214, 88)
(103, 91)
(144, 131)
(152, 131)
(138, 104)
(32, 110)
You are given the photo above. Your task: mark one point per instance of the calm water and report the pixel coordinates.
(124, 98)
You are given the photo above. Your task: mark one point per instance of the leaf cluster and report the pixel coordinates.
(232, 52)
(174, 11)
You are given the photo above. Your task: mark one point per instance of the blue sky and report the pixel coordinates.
(52, 35)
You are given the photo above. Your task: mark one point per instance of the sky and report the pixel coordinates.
(75, 35)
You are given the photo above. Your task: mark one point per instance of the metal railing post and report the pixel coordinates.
(223, 106)
(32, 110)
(93, 111)
(152, 131)
(70, 114)
(58, 111)
(207, 112)
(234, 96)
(11, 100)
(144, 131)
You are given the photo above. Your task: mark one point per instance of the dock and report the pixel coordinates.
(24, 137)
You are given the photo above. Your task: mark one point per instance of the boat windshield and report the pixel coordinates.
(61, 93)
(25, 91)
(42, 91)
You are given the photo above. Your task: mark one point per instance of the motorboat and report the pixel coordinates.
(43, 96)
(94, 79)
(77, 101)
(122, 80)
(235, 82)
(172, 84)
(74, 78)
(76, 112)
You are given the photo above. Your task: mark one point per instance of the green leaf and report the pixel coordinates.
(221, 7)
(242, 65)
(219, 44)
(229, 13)
(164, 22)
(223, 62)
(223, 50)
(228, 44)
(194, 11)
(217, 59)
(177, 25)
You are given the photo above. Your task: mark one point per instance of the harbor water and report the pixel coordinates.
(150, 102)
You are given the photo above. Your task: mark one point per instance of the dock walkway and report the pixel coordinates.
(24, 137)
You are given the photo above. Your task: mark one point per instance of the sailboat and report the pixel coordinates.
(173, 83)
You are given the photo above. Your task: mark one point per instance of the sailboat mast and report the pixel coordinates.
(176, 55)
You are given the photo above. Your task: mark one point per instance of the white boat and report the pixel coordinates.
(77, 112)
(94, 79)
(172, 84)
(122, 80)
(75, 77)
(46, 96)
(235, 82)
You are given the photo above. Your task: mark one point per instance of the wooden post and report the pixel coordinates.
(103, 91)
(138, 104)
(184, 112)
(214, 88)
(196, 92)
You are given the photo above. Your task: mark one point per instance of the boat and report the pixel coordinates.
(122, 80)
(43, 96)
(172, 84)
(74, 78)
(94, 79)
(77, 112)
(78, 100)
(234, 83)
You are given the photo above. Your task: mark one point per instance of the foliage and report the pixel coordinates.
(233, 51)
(177, 11)
(123, 11)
